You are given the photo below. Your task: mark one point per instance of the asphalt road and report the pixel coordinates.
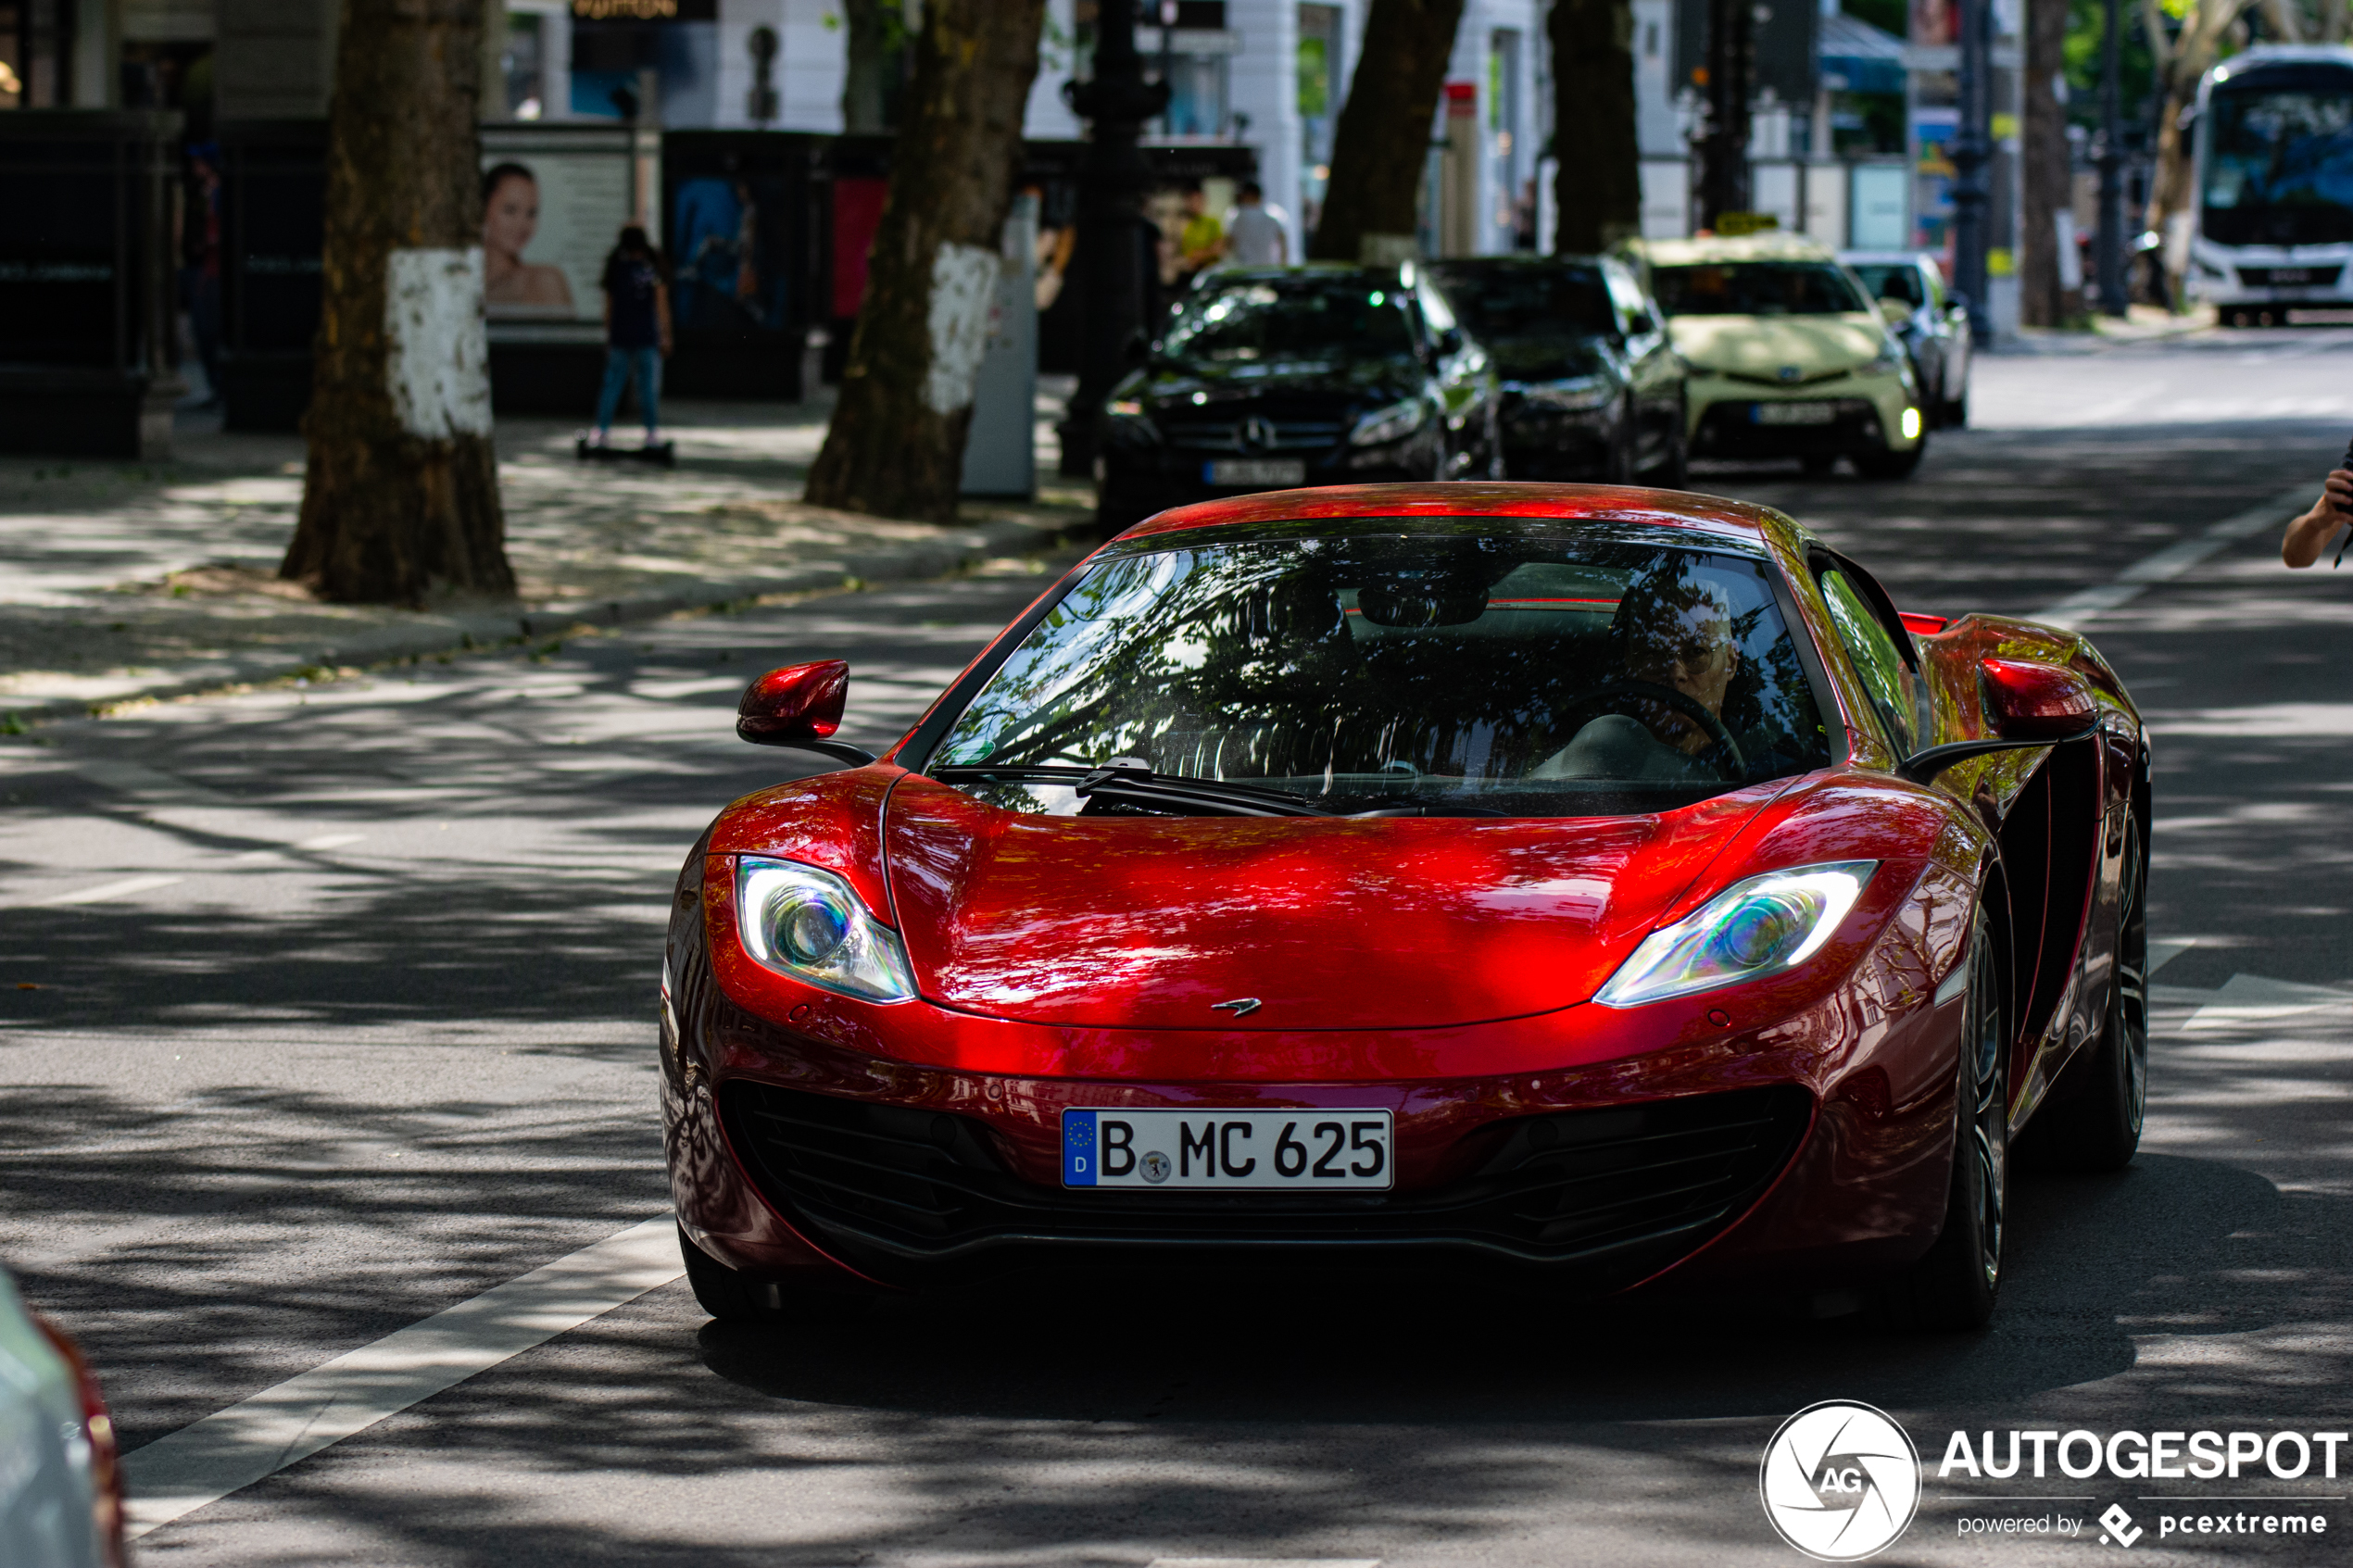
(343, 1015)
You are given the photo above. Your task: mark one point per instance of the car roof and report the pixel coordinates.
(1725, 523)
(1744, 247)
(1506, 263)
(1879, 256)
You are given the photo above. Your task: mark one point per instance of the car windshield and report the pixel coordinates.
(1755, 288)
(1501, 303)
(2279, 165)
(1892, 280)
(1481, 668)
(1289, 319)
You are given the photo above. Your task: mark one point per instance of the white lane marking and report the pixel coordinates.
(2163, 950)
(331, 841)
(1265, 1562)
(205, 1462)
(122, 889)
(2249, 1001)
(2085, 604)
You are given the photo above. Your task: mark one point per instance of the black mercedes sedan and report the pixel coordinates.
(1270, 377)
(1592, 388)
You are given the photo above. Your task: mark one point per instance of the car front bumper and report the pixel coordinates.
(1869, 417)
(1600, 1149)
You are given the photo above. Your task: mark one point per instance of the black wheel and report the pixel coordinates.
(1891, 465)
(1818, 465)
(1619, 467)
(2093, 1119)
(1954, 1284)
(1674, 470)
(730, 1298)
(1952, 414)
(720, 1290)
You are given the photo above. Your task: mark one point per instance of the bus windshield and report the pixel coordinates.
(2279, 165)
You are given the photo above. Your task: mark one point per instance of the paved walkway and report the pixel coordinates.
(119, 582)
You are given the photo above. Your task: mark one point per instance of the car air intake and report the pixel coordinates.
(1625, 1188)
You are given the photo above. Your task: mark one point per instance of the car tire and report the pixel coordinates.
(1619, 467)
(1954, 414)
(2093, 1119)
(1674, 471)
(1818, 465)
(727, 1296)
(1891, 465)
(1956, 1283)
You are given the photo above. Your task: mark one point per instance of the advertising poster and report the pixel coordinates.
(550, 218)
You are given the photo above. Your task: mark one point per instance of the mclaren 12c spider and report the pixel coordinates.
(1607, 884)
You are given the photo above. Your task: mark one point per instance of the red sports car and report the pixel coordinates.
(1607, 883)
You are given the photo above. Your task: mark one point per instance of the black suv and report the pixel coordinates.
(1271, 377)
(1592, 387)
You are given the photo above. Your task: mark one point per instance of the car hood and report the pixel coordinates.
(1170, 388)
(1552, 358)
(1761, 345)
(1145, 923)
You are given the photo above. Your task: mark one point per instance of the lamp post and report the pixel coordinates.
(1731, 60)
(1971, 150)
(1113, 253)
(2115, 297)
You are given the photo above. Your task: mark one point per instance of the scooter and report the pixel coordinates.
(662, 454)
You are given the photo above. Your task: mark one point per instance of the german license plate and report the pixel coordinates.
(1272, 472)
(2292, 275)
(1796, 413)
(1229, 1150)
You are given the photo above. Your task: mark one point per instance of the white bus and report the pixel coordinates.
(2274, 225)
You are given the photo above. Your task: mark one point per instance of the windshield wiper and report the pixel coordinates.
(1131, 779)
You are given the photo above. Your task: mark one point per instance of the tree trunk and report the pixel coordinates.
(875, 34)
(400, 499)
(895, 447)
(1382, 141)
(2047, 180)
(1599, 161)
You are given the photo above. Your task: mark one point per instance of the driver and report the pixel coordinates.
(1676, 630)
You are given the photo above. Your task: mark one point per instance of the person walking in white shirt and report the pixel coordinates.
(1255, 237)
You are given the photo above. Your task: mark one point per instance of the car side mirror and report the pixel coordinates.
(1895, 312)
(2034, 702)
(800, 706)
(2027, 703)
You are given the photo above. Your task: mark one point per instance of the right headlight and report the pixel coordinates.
(1761, 926)
(809, 924)
(1392, 423)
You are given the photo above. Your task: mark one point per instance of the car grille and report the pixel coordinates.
(1632, 1185)
(2280, 277)
(1235, 436)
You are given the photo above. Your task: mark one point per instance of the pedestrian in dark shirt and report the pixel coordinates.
(636, 332)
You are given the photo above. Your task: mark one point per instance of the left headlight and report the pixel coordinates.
(1752, 929)
(1392, 423)
(1580, 394)
(807, 924)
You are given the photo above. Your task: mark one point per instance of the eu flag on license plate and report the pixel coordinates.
(1078, 1149)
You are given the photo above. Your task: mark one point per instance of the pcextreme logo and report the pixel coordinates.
(1840, 1481)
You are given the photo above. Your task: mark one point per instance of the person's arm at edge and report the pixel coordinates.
(2308, 535)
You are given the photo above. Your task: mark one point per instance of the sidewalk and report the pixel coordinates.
(2142, 323)
(120, 581)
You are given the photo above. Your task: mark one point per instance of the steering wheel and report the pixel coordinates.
(1723, 749)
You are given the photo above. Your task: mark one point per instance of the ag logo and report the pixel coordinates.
(1840, 1481)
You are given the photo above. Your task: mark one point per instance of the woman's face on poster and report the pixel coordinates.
(511, 215)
